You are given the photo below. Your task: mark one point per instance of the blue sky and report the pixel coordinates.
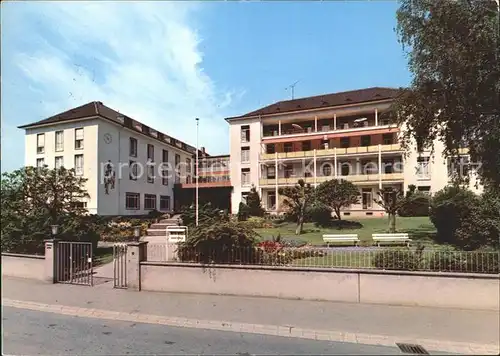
(165, 63)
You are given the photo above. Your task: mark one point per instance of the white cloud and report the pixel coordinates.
(143, 59)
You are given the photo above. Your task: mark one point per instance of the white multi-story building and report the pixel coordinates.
(121, 158)
(342, 135)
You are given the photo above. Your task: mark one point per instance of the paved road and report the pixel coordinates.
(27, 332)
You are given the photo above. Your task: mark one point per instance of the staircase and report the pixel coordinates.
(157, 233)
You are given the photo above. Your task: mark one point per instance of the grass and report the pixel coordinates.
(102, 256)
(419, 228)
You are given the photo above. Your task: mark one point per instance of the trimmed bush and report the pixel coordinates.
(466, 220)
(418, 205)
(243, 212)
(398, 259)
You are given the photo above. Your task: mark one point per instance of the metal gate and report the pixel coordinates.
(74, 263)
(120, 265)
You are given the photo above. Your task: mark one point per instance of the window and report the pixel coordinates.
(151, 152)
(164, 156)
(270, 148)
(385, 122)
(245, 154)
(149, 202)
(177, 171)
(79, 204)
(40, 143)
(344, 142)
(367, 198)
(369, 167)
(164, 176)
(389, 195)
(388, 166)
(271, 172)
(132, 201)
(164, 202)
(288, 147)
(133, 168)
(244, 196)
(245, 176)
(423, 171)
(325, 144)
(387, 139)
(271, 200)
(366, 140)
(40, 162)
(288, 171)
(133, 147)
(245, 133)
(188, 165)
(188, 179)
(151, 173)
(345, 168)
(59, 141)
(79, 139)
(327, 169)
(78, 164)
(58, 163)
(306, 146)
(425, 189)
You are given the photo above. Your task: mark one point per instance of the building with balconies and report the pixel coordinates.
(214, 183)
(346, 135)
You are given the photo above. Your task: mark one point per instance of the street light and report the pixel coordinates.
(197, 168)
(137, 232)
(55, 229)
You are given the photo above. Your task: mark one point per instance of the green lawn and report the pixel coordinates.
(419, 228)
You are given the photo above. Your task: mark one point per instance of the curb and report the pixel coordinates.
(274, 330)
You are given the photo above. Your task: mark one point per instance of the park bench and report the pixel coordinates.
(335, 239)
(391, 238)
(176, 233)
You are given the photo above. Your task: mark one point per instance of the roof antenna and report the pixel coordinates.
(292, 87)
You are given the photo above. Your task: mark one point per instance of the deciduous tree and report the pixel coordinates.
(298, 199)
(337, 194)
(453, 52)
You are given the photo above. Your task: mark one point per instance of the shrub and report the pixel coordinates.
(207, 214)
(255, 222)
(154, 214)
(452, 260)
(320, 214)
(243, 212)
(418, 205)
(398, 259)
(225, 242)
(466, 220)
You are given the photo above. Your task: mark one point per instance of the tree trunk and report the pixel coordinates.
(337, 212)
(300, 225)
(392, 223)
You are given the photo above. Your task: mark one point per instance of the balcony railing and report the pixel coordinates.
(331, 152)
(355, 178)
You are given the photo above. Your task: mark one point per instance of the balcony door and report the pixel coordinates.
(271, 200)
(367, 198)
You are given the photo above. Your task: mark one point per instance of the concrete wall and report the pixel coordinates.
(23, 266)
(354, 286)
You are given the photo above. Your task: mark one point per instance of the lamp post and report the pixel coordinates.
(137, 233)
(55, 229)
(197, 170)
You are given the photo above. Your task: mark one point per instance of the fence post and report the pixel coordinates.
(136, 253)
(50, 269)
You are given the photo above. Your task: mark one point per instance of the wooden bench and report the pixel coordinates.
(391, 238)
(334, 239)
(177, 233)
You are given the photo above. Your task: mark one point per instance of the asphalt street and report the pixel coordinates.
(27, 332)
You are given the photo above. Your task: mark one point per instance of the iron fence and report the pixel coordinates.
(383, 258)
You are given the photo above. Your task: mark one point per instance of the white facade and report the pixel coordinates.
(105, 141)
(428, 178)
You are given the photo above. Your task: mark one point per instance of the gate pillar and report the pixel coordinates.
(51, 247)
(136, 252)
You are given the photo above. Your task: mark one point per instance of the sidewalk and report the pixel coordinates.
(448, 325)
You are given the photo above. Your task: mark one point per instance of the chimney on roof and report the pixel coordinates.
(203, 151)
